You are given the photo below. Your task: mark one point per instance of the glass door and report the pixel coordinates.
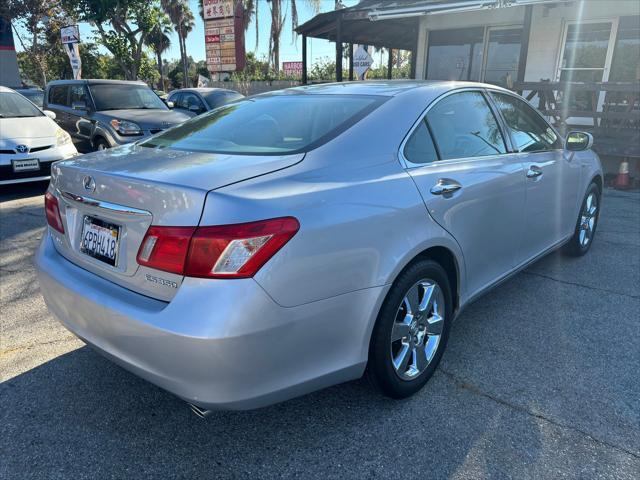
(502, 56)
(455, 54)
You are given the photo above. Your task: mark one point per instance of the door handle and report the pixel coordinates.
(445, 186)
(534, 171)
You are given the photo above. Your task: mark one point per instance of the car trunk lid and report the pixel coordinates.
(132, 188)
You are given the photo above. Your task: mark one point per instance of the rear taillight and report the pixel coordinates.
(53, 212)
(227, 251)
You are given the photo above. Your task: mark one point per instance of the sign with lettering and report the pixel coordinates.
(292, 69)
(223, 35)
(214, 9)
(362, 62)
(70, 34)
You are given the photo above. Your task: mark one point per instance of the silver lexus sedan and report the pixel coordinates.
(298, 239)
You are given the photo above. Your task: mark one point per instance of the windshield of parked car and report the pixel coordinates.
(14, 105)
(272, 124)
(217, 99)
(125, 96)
(36, 96)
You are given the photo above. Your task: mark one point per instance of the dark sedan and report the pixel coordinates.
(195, 101)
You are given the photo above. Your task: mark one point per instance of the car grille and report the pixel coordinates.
(7, 173)
(32, 150)
(39, 149)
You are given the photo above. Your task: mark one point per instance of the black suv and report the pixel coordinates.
(107, 113)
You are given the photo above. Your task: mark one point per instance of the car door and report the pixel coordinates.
(471, 185)
(78, 123)
(57, 101)
(552, 177)
(193, 103)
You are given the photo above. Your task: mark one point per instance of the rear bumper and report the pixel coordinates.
(220, 344)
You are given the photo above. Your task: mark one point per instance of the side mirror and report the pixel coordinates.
(50, 114)
(79, 105)
(578, 141)
(170, 104)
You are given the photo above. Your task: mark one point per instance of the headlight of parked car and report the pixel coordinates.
(62, 137)
(124, 127)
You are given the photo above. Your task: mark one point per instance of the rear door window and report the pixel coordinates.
(529, 132)
(78, 94)
(58, 95)
(464, 126)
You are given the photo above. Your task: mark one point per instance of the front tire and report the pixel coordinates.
(411, 331)
(100, 144)
(586, 224)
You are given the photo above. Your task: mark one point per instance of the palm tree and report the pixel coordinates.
(278, 17)
(183, 23)
(159, 41)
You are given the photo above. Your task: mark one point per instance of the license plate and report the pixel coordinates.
(27, 165)
(100, 240)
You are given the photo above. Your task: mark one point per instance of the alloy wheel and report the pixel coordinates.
(417, 329)
(588, 219)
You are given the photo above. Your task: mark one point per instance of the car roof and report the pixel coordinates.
(204, 90)
(95, 81)
(387, 88)
(5, 89)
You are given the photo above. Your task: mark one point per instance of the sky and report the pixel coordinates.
(290, 50)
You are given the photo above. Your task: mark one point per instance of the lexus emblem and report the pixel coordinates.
(22, 148)
(89, 183)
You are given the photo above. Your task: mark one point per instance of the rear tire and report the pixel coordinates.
(586, 224)
(411, 331)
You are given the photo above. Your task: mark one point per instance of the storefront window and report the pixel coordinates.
(455, 54)
(625, 66)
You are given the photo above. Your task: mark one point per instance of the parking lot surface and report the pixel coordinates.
(540, 380)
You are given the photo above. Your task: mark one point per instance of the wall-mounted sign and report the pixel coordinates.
(292, 69)
(70, 34)
(362, 62)
(223, 36)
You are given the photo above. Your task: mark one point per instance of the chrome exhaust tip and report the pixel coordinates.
(200, 412)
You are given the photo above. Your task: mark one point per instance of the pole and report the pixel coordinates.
(304, 59)
(339, 49)
(390, 64)
(351, 62)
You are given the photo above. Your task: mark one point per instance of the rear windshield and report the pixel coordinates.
(14, 105)
(125, 96)
(264, 125)
(217, 99)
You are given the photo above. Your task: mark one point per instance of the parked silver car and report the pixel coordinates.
(291, 241)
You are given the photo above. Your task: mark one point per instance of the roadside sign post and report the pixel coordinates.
(223, 35)
(70, 36)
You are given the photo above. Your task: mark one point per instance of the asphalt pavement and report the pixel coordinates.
(541, 379)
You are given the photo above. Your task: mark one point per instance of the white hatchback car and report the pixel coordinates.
(29, 140)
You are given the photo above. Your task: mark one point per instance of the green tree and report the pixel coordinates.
(183, 22)
(123, 27)
(39, 19)
(159, 40)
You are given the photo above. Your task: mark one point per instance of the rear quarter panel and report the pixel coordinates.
(362, 219)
